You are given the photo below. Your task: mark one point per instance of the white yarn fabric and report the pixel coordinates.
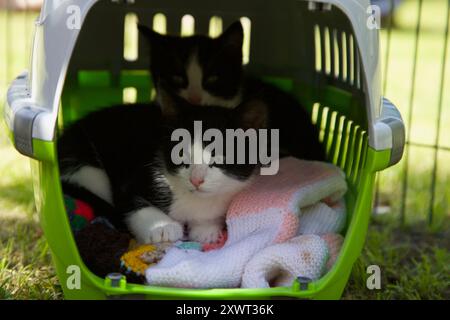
(280, 264)
(321, 218)
(222, 268)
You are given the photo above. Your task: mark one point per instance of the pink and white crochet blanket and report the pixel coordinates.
(280, 227)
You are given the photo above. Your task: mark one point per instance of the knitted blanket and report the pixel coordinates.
(280, 227)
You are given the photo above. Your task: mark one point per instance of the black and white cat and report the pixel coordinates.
(122, 156)
(207, 71)
(202, 70)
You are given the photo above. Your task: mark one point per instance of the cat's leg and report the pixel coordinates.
(150, 225)
(205, 231)
(91, 178)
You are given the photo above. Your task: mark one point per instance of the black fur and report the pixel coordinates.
(223, 57)
(132, 144)
(122, 141)
(220, 58)
(213, 117)
(298, 136)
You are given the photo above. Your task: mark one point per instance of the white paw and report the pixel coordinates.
(207, 233)
(166, 231)
(150, 224)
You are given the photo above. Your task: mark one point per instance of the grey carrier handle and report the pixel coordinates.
(390, 131)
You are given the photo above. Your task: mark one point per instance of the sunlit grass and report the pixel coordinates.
(424, 108)
(428, 73)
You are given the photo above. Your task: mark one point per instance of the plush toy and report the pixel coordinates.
(135, 261)
(80, 213)
(99, 244)
(101, 247)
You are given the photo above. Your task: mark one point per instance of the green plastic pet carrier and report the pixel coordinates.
(324, 52)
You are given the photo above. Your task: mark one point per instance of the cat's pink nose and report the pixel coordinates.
(195, 99)
(196, 182)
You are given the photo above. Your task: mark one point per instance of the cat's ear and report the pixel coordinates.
(252, 114)
(151, 36)
(233, 36)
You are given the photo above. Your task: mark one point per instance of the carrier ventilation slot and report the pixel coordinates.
(318, 48)
(247, 26)
(215, 26)
(327, 51)
(350, 59)
(336, 55)
(131, 37)
(343, 70)
(187, 25)
(345, 142)
(129, 95)
(160, 23)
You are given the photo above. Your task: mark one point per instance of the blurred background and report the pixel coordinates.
(409, 236)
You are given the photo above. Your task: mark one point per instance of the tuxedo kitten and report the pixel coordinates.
(202, 70)
(123, 155)
(207, 71)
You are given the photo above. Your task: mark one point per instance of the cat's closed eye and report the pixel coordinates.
(185, 159)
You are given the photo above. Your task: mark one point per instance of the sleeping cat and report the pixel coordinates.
(206, 71)
(122, 156)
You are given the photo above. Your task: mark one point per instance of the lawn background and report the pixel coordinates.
(413, 256)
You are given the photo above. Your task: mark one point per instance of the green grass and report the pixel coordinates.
(414, 258)
(26, 271)
(414, 262)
